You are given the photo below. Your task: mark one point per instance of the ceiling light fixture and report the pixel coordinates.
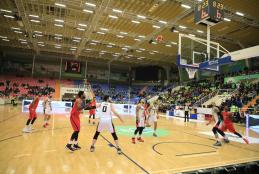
(156, 26)
(104, 29)
(17, 31)
(34, 16)
(60, 5)
(99, 32)
(58, 20)
(8, 16)
(3, 37)
(82, 25)
(163, 22)
(227, 19)
(14, 28)
(7, 40)
(240, 14)
(136, 22)
(39, 32)
(59, 35)
(141, 17)
(58, 38)
(120, 36)
(113, 17)
(7, 11)
(116, 11)
(182, 27)
(186, 6)
(36, 21)
(58, 25)
(90, 4)
(80, 29)
(123, 33)
(88, 11)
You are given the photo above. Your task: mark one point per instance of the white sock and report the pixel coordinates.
(70, 142)
(76, 142)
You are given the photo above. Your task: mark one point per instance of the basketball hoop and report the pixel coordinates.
(191, 72)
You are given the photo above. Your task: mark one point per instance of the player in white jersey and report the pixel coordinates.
(105, 122)
(217, 122)
(47, 109)
(153, 116)
(140, 121)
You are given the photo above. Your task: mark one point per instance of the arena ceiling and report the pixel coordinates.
(118, 30)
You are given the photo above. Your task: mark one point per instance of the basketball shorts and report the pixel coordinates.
(48, 112)
(228, 126)
(92, 112)
(32, 114)
(75, 122)
(152, 119)
(140, 123)
(217, 124)
(105, 125)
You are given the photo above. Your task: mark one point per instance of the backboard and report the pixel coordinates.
(197, 53)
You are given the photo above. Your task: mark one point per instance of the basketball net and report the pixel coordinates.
(191, 72)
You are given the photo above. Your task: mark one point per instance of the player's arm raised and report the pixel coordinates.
(115, 113)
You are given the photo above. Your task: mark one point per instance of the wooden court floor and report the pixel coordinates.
(179, 147)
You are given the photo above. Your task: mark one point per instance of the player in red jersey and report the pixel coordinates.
(228, 124)
(92, 111)
(32, 115)
(79, 104)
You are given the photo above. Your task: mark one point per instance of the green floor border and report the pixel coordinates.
(147, 132)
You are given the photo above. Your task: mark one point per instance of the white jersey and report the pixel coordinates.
(105, 116)
(48, 107)
(48, 104)
(105, 111)
(153, 110)
(215, 111)
(141, 113)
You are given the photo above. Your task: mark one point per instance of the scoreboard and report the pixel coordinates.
(72, 67)
(209, 12)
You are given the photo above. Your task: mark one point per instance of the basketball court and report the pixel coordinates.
(95, 46)
(179, 147)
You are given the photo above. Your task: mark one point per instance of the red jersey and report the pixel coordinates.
(74, 110)
(35, 105)
(226, 117)
(93, 103)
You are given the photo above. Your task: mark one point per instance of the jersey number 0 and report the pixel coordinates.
(104, 108)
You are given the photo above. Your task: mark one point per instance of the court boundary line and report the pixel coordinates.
(211, 139)
(184, 142)
(8, 118)
(198, 153)
(129, 158)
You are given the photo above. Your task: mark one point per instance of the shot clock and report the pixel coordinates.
(209, 12)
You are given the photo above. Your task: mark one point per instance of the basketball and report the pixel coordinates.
(159, 38)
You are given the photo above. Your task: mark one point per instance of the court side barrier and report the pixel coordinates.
(64, 107)
(197, 113)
